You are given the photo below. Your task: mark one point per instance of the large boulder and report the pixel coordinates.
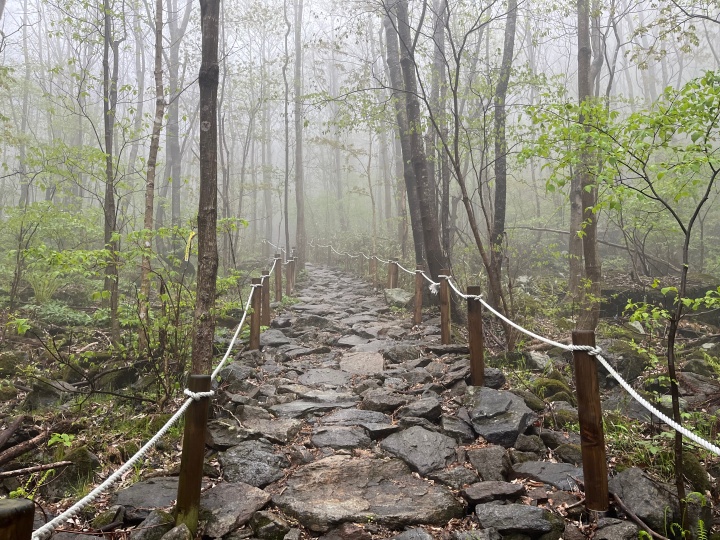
(341, 489)
(497, 416)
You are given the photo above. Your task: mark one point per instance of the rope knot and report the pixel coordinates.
(197, 396)
(592, 351)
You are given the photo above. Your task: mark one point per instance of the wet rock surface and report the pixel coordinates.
(351, 423)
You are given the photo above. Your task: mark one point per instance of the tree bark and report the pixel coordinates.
(300, 235)
(110, 78)
(436, 259)
(202, 346)
(584, 188)
(143, 335)
(399, 98)
(497, 236)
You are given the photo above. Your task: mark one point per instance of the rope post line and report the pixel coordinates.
(16, 519)
(417, 312)
(592, 437)
(193, 455)
(278, 278)
(392, 281)
(295, 265)
(445, 308)
(475, 337)
(256, 305)
(265, 320)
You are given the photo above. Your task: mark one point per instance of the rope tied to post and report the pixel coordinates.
(197, 396)
(592, 351)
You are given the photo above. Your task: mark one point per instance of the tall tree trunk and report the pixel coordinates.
(300, 239)
(110, 78)
(436, 260)
(497, 236)
(286, 185)
(204, 333)
(584, 187)
(267, 176)
(399, 97)
(150, 183)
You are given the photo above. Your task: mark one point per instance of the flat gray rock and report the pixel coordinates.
(497, 416)
(275, 430)
(556, 474)
(154, 493)
(298, 408)
(223, 518)
(483, 492)
(356, 417)
(225, 433)
(491, 462)
(518, 519)
(325, 377)
(382, 400)
(428, 408)
(273, 338)
(423, 450)
(340, 437)
(341, 489)
(651, 502)
(351, 340)
(362, 363)
(254, 463)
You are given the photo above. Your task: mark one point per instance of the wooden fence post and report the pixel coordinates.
(417, 313)
(16, 519)
(265, 321)
(193, 455)
(392, 274)
(256, 305)
(592, 437)
(445, 309)
(289, 277)
(295, 265)
(278, 277)
(475, 335)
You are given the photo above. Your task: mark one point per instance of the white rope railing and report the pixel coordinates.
(42, 532)
(595, 351)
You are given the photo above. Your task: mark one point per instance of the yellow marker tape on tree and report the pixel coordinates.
(188, 246)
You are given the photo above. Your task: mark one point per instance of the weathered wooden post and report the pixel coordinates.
(278, 277)
(265, 320)
(256, 305)
(475, 337)
(392, 274)
(288, 277)
(417, 313)
(372, 269)
(592, 437)
(193, 455)
(16, 519)
(445, 309)
(295, 270)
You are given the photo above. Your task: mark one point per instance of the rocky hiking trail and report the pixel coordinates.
(351, 423)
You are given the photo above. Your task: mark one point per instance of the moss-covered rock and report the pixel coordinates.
(627, 360)
(695, 473)
(563, 396)
(8, 392)
(569, 453)
(530, 399)
(545, 386)
(701, 366)
(11, 363)
(560, 419)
